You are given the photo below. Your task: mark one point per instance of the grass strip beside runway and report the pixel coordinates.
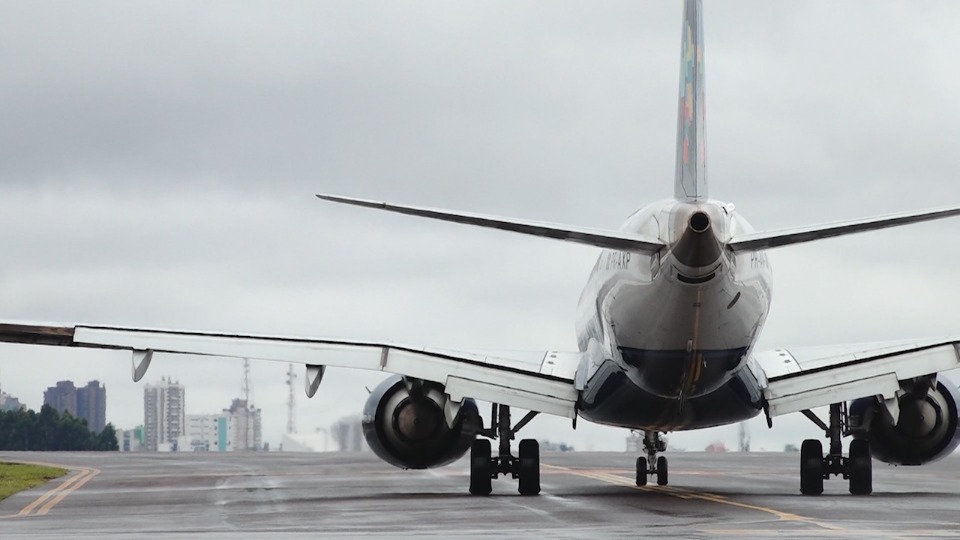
(16, 477)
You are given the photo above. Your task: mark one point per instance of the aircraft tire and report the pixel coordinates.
(529, 467)
(641, 471)
(861, 467)
(811, 467)
(480, 468)
(662, 477)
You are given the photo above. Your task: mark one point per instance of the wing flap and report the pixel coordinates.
(622, 241)
(539, 398)
(516, 382)
(863, 371)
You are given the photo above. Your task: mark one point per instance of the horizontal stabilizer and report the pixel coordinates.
(592, 237)
(799, 235)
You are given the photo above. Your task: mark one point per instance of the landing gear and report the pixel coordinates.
(642, 471)
(529, 467)
(480, 469)
(661, 471)
(525, 468)
(815, 467)
(860, 468)
(653, 442)
(811, 467)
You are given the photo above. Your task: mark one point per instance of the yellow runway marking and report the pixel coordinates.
(90, 473)
(56, 495)
(682, 493)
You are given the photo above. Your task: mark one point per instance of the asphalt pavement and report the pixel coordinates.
(585, 495)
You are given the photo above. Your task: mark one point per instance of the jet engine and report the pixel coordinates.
(925, 431)
(405, 424)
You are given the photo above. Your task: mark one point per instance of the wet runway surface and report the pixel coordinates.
(584, 495)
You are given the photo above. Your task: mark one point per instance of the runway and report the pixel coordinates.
(584, 495)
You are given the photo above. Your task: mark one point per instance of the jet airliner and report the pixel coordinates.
(666, 325)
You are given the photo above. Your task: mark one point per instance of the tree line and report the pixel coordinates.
(48, 430)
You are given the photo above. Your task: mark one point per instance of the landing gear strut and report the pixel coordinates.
(815, 467)
(653, 442)
(525, 468)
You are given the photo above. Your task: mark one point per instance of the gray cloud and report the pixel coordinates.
(158, 160)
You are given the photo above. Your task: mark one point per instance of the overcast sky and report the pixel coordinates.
(158, 162)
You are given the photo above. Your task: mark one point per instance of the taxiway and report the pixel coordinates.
(584, 495)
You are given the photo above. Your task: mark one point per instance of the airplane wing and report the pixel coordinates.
(799, 235)
(803, 378)
(622, 241)
(537, 381)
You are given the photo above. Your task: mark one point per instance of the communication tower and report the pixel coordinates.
(245, 430)
(291, 402)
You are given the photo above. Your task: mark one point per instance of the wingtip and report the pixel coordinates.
(334, 198)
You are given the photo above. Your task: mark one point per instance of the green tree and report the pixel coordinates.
(48, 430)
(107, 439)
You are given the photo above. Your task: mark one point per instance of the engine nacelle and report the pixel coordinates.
(405, 424)
(926, 431)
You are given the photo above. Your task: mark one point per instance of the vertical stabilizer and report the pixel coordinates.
(691, 180)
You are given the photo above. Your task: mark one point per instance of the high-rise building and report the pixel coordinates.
(245, 426)
(88, 402)
(164, 422)
(62, 397)
(92, 405)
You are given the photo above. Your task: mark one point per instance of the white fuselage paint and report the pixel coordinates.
(676, 333)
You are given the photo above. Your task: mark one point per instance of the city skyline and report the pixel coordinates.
(86, 402)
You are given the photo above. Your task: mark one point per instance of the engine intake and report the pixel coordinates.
(926, 431)
(405, 424)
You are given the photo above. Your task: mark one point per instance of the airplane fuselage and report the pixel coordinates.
(668, 336)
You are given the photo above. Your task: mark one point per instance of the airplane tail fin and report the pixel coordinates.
(691, 177)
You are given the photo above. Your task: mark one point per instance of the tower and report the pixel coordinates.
(291, 401)
(245, 415)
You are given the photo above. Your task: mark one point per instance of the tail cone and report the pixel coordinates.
(698, 246)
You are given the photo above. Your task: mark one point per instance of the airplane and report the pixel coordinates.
(666, 325)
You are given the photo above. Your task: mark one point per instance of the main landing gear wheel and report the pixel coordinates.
(661, 471)
(857, 467)
(484, 468)
(480, 468)
(529, 467)
(653, 442)
(642, 471)
(860, 468)
(811, 467)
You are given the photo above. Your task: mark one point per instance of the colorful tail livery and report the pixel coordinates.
(691, 179)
